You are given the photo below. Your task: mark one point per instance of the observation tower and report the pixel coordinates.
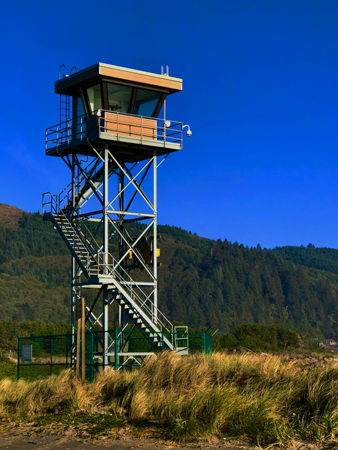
(112, 141)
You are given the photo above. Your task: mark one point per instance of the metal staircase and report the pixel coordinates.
(90, 259)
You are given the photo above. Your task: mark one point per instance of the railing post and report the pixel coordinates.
(68, 131)
(117, 126)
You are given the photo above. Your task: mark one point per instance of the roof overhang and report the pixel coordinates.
(69, 85)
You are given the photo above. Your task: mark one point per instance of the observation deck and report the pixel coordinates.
(115, 107)
(128, 136)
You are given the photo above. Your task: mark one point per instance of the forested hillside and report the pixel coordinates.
(310, 256)
(202, 282)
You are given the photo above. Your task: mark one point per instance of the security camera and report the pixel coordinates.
(189, 133)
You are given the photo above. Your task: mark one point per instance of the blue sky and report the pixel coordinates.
(260, 92)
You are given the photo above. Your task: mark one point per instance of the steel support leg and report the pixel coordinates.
(105, 256)
(155, 238)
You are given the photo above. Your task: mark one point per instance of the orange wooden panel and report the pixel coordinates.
(142, 78)
(130, 126)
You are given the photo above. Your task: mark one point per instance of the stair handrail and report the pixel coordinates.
(165, 322)
(82, 223)
(90, 244)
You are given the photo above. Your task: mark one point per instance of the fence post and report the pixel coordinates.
(51, 355)
(203, 342)
(116, 349)
(83, 320)
(78, 337)
(66, 339)
(18, 374)
(91, 356)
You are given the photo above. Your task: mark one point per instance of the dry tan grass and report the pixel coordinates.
(262, 397)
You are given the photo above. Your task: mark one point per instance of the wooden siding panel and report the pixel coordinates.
(131, 126)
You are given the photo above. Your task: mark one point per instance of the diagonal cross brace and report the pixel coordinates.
(130, 177)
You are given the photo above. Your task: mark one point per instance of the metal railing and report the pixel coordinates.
(50, 203)
(115, 126)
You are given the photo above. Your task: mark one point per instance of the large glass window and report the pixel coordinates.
(94, 98)
(146, 102)
(80, 119)
(119, 97)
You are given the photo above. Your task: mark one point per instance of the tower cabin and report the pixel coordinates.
(115, 107)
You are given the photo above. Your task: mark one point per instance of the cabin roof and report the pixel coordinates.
(69, 85)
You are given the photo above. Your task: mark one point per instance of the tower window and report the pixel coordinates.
(146, 102)
(94, 98)
(119, 97)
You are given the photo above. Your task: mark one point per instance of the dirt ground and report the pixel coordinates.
(14, 439)
(67, 442)
(22, 438)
